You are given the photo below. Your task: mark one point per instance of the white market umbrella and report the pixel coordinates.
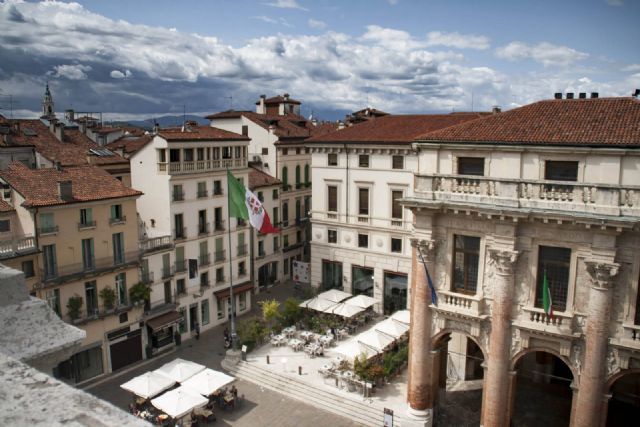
(392, 327)
(208, 381)
(334, 295)
(402, 316)
(318, 304)
(179, 402)
(344, 310)
(180, 370)
(374, 339)
(148, 384)
(352, 349)
(363, 301)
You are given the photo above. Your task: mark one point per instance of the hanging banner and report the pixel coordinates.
(301, 272)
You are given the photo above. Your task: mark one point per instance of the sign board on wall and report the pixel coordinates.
(301, 272)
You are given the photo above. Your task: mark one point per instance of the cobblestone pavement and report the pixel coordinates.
(260, 407)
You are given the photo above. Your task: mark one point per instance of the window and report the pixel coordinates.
(261, 196)
(217, 217)
(298, 176)
(555, 264)
(86, 217)
(395, 292)
(162, 155)
(217, 187)
(181, 287)
(188, 154)
(471, 166)
(285, 214)
(202, 189)
(49, 260)
(275, 216)
(242, 299)
(27, 269)
(91, 297)
(226, 152)
(118, 248)
(274, 194)
(174, 155)
(560, 170)
(123, 317)
(297, 148)
(220, 308)
(466, 257)
(179, 226)
(332, 199)
(332, 159)
(182, 326)
(121, 288)
(204, 252)
(203, 226)
(178, 194)
(332, 236)
(397, 162)
(396, 207)
(285, 241)
(298, 210)
(363, 201)
(220, 275)
(5, 225)
(204, 312)
(219, 255)
(285, 151)
(238, 151)
(275, 243)
(298, 236)
(306, 175)
(181, 264)
(116, 213)
(47, 223)
(363, 240)
(242, 247)
(200, 154)
(245, 130)
(396, 245)
(363, 160)
(331, 274)
(53, 299)
(204, 279)
(265, 151)
(285, 266)
(285, 178)
(242, 270)
(362, 281)
(88, 257)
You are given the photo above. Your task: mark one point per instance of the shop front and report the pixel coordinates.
(161, 330)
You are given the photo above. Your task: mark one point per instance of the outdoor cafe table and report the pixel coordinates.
(289, 331)
(306, 335)
(295, 344)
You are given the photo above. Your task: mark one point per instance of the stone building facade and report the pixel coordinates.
(503, 205)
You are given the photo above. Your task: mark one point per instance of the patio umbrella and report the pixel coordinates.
(180, 370)
(363, 301)
(318, 304)
(179, 402)
(148, 384)
(402, 316)
(208, 381)
(352, 349)
(334, 295)
(344, 310)
(375, 339)
(392, 327)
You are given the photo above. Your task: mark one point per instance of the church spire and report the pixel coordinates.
(48, 111)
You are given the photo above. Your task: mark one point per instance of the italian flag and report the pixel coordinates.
(546, 296)
(244, 204)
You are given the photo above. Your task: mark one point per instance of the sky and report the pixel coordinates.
(147, 58)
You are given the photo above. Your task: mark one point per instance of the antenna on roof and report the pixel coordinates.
(184, 114)
(472, 101)
(367, 92)
(230, 98)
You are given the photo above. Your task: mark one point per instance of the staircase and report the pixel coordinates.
(364, 412)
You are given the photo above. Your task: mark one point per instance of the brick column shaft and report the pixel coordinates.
(497, 381)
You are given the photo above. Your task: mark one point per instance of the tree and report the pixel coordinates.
(291, 312)
(270, 311)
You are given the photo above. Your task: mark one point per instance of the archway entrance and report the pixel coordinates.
(624, 404)
(460, 379)
(543, 393)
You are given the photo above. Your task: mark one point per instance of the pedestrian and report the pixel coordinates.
(177, 338)
(226, 334)
(197, 328)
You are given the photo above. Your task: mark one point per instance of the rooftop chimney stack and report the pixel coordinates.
(594, 95)
(286, 96)
(262, 109)
(569, 95)
(58, 131)
(582, 95)
(636, 93)
(557, 95)
(65, 190)
(496, 109)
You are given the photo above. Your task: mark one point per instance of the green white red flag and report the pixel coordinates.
(546, 296)
(246, 205)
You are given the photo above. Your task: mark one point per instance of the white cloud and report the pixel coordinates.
(286, 4)
(117, 74)
(457, 40)
(393, 2)
(71, 72)
(270, 20)
(314, 23)
(632, 68)
(615, 2)
(545, 53)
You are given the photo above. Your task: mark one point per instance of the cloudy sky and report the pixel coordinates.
(146, 58)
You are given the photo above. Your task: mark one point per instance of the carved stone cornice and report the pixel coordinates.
(504, 261)
(602, 273)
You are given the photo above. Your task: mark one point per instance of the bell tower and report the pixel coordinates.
(48, 111)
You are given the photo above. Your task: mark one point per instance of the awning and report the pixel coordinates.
(237, 289)
(160, 322)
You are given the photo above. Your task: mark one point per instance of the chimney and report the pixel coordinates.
(340, 125)
(557, 95)
(261, 108)
(582, 95)
(69, 115)
(636, 93)
(496, 109)
(286, 96)
(65, 190)
(57, 165)
(594, 94)
(569, 95)
(156, 127)
(16, 127)
(58, 131)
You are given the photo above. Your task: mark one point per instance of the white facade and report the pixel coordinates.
(266, 252)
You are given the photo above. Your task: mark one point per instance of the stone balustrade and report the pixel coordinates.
(460, 303)
(536, 318)
(177, 168)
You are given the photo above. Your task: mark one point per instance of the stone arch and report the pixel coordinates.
(516, 358)
(615, 377)
(442, 333)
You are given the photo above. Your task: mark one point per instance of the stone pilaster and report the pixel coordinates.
(421, 379)
(592, 376)
(497, 381)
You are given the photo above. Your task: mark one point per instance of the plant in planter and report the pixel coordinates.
(73, 306)
(108, 296)
(375, 372)
(361, 367)
(139, 293)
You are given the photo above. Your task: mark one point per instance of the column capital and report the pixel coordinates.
(602, 273)
(503, 260)
(426, 247)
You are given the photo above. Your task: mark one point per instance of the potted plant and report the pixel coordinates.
(73, 306)
(139, 293)
(108, 296)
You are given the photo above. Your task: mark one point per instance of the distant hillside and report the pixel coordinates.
(164, 121)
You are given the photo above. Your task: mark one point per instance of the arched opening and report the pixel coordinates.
(460, 379)
(543, 393)
(624, 404)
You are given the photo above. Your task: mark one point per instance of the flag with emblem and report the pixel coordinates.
(244, 204)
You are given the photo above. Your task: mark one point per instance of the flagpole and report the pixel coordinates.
(234, 344)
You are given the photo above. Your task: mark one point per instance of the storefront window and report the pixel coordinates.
(395, 292)
(204, 308)
(362, 281)
(331, 275)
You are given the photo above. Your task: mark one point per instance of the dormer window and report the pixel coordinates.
(471, 166)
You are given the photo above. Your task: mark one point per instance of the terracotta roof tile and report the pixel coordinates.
(393, 128)
(39, 187)
(591, 121)
(257, 179)
(200, 133)
(5, 206)
(130, 144)
(279, 99)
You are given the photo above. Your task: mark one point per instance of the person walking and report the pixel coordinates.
(197, 329)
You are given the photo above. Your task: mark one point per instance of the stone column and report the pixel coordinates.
(420, 383)
(592, 377)
(496, 383)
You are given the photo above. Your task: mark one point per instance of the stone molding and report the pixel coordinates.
(504, 261)
(602, 273)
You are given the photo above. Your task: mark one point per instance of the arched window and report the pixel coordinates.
(298, 176)
(306, 174)
(285, 177)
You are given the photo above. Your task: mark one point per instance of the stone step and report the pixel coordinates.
(347, 406)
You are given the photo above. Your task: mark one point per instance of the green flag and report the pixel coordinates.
(546, 295)
(237, 195)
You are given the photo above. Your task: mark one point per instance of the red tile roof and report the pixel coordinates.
(591, 121)
(257, 179)
(279, 99)
(394, 128)
(5, 206)
(200, 133)
(130, 144)
(39, 187)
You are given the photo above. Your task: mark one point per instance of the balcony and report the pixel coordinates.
(218, 192)
(203, 228)
(146, 277)
(155, 243)
(18, 246)
(219, 280)
(205, 284)
(179, 168)
(118, 220)
(530, 195)
(219, 226)
(99, 312)
(298, 185)
(219, 256)
(87, 224)
(43, 231)
(363, 219)
(155, 308)
(181, 266)
(468, 305)
(242, 250)
(630, 336)
(180, 233)
(241, 223)
(261, 254)
(204, 259)
(242, 273)
(168, 271)
(307, 184)
(96, 266)
(536, 319)
(286, 187)
(202, 194)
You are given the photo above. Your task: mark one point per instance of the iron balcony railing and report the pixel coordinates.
(95, 265)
